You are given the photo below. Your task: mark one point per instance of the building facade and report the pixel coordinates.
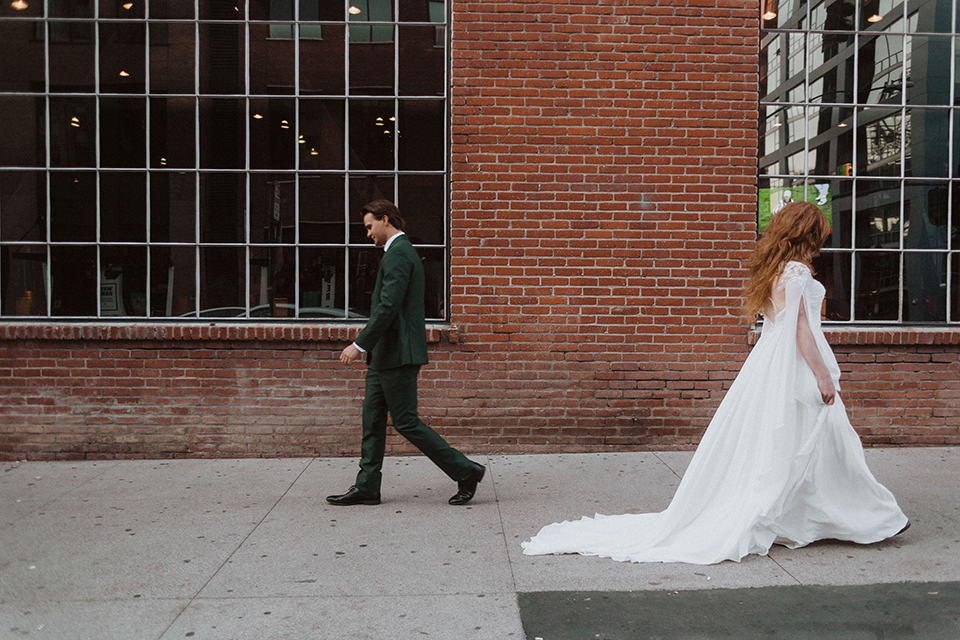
(182, 259)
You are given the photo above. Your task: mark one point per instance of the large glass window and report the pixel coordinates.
(172, 159)
(859, 115)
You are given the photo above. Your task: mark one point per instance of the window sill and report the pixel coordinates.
(871, 335)
(225, 331)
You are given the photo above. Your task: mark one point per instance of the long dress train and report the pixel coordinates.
(775, 465)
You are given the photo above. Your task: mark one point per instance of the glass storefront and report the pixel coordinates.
(166, 159)
(858, 115)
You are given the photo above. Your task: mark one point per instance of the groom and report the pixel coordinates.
(395, 342)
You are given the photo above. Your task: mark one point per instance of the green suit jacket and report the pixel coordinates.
(396, 334)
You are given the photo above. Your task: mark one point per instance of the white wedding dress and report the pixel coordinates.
(775, 465)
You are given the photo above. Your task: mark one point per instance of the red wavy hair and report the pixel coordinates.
(796, 232)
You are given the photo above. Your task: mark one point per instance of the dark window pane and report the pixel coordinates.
(123, 206)
(172, 57)
(271, 60)
(321, 134)
(954, 287)
(123, 132)
(925, 211)
(371, 57)
(222, 58)
(123, 281)
(123, 9)
(321, 210)
(71, 57)
(928, 70)
(925, 287)
(435, 283)
(881, 69)
(423, 11)
(22, 126)
(878, 214)
(272, 282)
(222, 207)
(71, 9)
(422, 203)
(172, 9)
(221, 9)
(273, 199)
(361, 277)
(21, 57)
(73, 132)
(422, 62)
(364, 189)
(955, 165)
(173, 208)
(122, 53)
(172, 133)
(372, 131)
(322, 62)
(23, 205)
(927, 154)
(73, 206)
(222, 133)
(23, 280)
(879, 137)
(422, 140)
(172, 281)
(322, 293)
(222, 282)
(877, 286)
(273, 133)
(833, 271)
(73, 281)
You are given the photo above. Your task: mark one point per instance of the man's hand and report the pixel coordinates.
(349, 355)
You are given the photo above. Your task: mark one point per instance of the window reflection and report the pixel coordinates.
(322, 210)
(222, 207)
(123, 281)
(925, 215)
(123, 206)
(877, 287)
(878, 214)
(924, 287)
(833, 271)
(173, 281)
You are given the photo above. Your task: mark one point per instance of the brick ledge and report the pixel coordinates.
(225, 331)
(881, 335)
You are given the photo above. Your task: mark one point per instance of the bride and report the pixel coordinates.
(779, 462)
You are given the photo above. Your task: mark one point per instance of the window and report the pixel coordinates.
(163, 163)
(857, 115)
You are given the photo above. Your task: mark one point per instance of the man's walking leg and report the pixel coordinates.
(374, 441)
(400, 390)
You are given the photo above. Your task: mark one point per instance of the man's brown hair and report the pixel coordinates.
(381, 209)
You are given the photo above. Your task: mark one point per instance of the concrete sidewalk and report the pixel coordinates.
(249, 549)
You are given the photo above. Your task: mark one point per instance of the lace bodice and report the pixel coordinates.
(812, 291)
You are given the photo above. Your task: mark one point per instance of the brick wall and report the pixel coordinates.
(603, 203)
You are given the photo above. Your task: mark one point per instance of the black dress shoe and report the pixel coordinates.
(468, 486)
(355, 496)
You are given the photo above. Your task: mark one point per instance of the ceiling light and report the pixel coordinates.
(128, 6)
(770, 9)
(843, 124)
(124, 74)
(353, 10)
(74, 121)
(257, 116)
(392, 119)
(19, 5)
(875, 18)
(284, 124)
(301, 140)
(163, 161)
(314, 152)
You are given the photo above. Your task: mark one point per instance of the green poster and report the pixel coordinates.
(772, 200)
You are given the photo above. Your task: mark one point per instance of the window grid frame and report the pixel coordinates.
(346, 172)
(950, 253)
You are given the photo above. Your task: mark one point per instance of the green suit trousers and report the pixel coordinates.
(394, 391)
